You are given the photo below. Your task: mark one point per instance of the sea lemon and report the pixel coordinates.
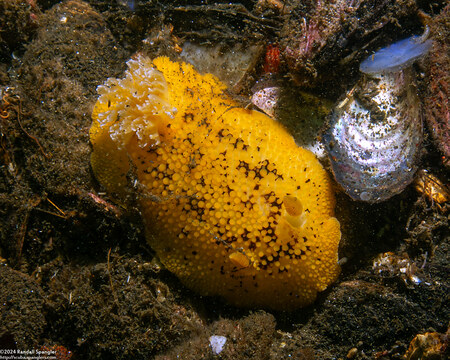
(231, 205)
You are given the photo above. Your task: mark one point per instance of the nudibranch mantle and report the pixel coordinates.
(232, 206)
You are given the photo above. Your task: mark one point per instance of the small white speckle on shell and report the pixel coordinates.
(217, 342)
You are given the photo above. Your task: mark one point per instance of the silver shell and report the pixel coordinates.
(374, 136)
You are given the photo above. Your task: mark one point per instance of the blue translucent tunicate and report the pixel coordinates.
(396, 56)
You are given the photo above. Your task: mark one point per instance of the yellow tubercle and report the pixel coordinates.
(231, 205)
(239, 260)
(292, 205)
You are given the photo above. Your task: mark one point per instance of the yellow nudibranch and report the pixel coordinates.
(231, 205)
